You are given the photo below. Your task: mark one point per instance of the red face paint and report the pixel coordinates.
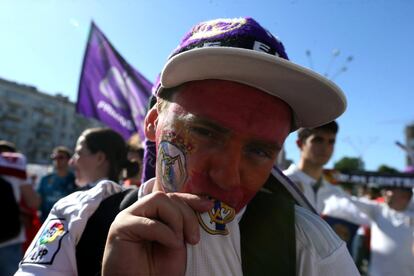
(239, 107)
(201, 184)
(235, 133)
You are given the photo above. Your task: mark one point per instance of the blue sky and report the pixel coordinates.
(43, 42)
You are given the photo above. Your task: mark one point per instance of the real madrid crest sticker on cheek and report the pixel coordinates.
(215, 220)
(172, 152)
(48, 243)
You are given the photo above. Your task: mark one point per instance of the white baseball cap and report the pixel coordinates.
(242, 51)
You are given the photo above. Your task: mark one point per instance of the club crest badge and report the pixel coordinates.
(172, 166)
(215, 220)
(48, 243)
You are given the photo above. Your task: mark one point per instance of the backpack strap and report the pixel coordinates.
(90, 248)
(267, 230)
(129, 199)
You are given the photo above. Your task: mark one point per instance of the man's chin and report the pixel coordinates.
(80, 182)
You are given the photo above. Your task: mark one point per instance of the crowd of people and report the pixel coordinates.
(227, 99)
(378, 226)
(100, 153)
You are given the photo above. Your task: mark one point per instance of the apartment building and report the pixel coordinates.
(37, 122)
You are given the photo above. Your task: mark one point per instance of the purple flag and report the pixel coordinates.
(110, 89)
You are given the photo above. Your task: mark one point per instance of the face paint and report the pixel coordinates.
(172, 153)
(172, 166)
(219, 139)
(202, 184)
(238, 107)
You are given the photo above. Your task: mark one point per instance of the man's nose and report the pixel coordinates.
(71, 161)
(225, 168)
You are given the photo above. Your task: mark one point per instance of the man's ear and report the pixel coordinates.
(151, 121)
(101, 157)
(299, 143)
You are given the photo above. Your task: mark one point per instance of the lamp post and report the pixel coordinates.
(334, 55)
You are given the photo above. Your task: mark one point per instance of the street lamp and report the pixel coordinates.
(334, 55)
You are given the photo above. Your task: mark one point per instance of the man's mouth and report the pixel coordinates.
(230, 203)
(200, 184)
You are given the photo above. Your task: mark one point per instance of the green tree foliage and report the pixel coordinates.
(347, 164)
(387, 169)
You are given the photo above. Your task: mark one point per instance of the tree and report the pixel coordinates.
(387, 169)
(347, 164)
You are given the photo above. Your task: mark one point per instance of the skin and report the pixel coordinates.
(227, 136)
(89, 167)
(61, 163)
(315, 152)
(398, 199)
(29, 196)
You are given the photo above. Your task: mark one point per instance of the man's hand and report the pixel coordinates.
(149, 237)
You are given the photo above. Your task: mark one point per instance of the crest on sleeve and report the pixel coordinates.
(214, 221)
(48, 242)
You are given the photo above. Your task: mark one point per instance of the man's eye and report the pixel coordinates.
(259, 152)
(317, 140)
(202, 131)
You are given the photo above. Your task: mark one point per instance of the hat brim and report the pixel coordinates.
(314, 99)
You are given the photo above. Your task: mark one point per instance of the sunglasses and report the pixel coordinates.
(59, 157)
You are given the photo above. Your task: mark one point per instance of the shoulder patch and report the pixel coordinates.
(48, 243)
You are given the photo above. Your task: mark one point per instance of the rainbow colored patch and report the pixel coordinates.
(55, 230)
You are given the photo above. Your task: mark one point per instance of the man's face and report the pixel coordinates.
(60, 160)
(85, 163)
(218, 139)
(318, 147)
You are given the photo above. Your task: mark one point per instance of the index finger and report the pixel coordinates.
(196, 202)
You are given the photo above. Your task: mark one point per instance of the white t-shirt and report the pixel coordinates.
(319, 251)
(392, 236)
(306, 183)
(53, 250)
